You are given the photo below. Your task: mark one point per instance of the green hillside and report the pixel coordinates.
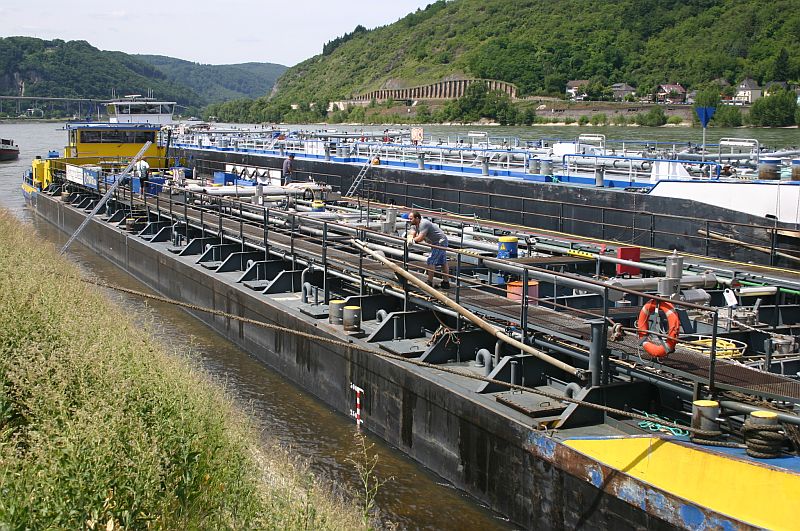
(540, 45)
(77, 69)
(216, 83)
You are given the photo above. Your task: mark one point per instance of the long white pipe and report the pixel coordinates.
(474, 319)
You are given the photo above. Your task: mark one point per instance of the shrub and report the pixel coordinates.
(599, 119)
(674, 120)
(776, 110)
(655, 117)
(727, 116)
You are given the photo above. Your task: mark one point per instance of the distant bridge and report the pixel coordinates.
(443, 90)
(45, 98)
(67, 105)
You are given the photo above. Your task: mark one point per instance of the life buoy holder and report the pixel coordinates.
(657, 346)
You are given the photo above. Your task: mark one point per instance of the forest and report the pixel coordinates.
(539, 46)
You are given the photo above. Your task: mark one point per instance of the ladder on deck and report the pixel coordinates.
(361, 173)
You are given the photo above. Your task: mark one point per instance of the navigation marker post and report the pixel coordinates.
(705, 114)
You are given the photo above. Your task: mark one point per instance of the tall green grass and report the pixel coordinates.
(100, 427)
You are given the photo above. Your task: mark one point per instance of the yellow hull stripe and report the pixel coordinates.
(758, 495)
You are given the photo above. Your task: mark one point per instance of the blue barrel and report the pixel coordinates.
(796, 170)
(317, 206)
(508, 247)
(769, 169)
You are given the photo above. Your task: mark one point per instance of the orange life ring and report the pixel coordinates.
(659, 347)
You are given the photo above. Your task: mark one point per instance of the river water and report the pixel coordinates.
(415, 498)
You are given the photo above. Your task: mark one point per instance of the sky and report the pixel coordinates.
(219, 32)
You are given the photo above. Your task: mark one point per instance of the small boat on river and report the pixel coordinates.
(8, 150)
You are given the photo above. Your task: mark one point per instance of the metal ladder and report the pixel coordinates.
(361, 173)
(108, 194)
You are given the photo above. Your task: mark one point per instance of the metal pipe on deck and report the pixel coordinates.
(708, 280)
(474, 319)
(543, 276)
(747, 408)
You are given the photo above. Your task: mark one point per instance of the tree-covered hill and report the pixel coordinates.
(35, 67)
(217, 83)
(541, 44)
(77, 69)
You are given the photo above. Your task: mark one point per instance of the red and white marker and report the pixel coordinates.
(357, 412)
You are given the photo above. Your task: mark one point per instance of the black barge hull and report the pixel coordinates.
(535, 480)
(598, 213)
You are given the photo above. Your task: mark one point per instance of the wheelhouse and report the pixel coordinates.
(135, 109)
(101, 140)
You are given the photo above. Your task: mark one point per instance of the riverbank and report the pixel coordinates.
(102, 426)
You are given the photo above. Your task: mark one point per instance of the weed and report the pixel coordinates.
(364, 463)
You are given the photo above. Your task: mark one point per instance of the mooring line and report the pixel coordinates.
(387, 355)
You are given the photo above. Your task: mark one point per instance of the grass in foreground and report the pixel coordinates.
(100, 427)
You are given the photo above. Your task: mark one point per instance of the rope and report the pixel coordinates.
(764, 441)
(444, 331)
(349, 345)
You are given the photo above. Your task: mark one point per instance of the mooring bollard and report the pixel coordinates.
(351, 318)
(336, 312)
(705, 414)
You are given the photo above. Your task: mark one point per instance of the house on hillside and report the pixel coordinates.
(747, 91)
(622, 91)
(774, 86)
(671, 93)
(343, 105)
(576, 89)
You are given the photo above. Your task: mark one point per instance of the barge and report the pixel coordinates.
(530, 383)
(749, 220)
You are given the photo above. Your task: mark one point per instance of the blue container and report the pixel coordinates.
(508, 247)
(154, 185)
(224, 178)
